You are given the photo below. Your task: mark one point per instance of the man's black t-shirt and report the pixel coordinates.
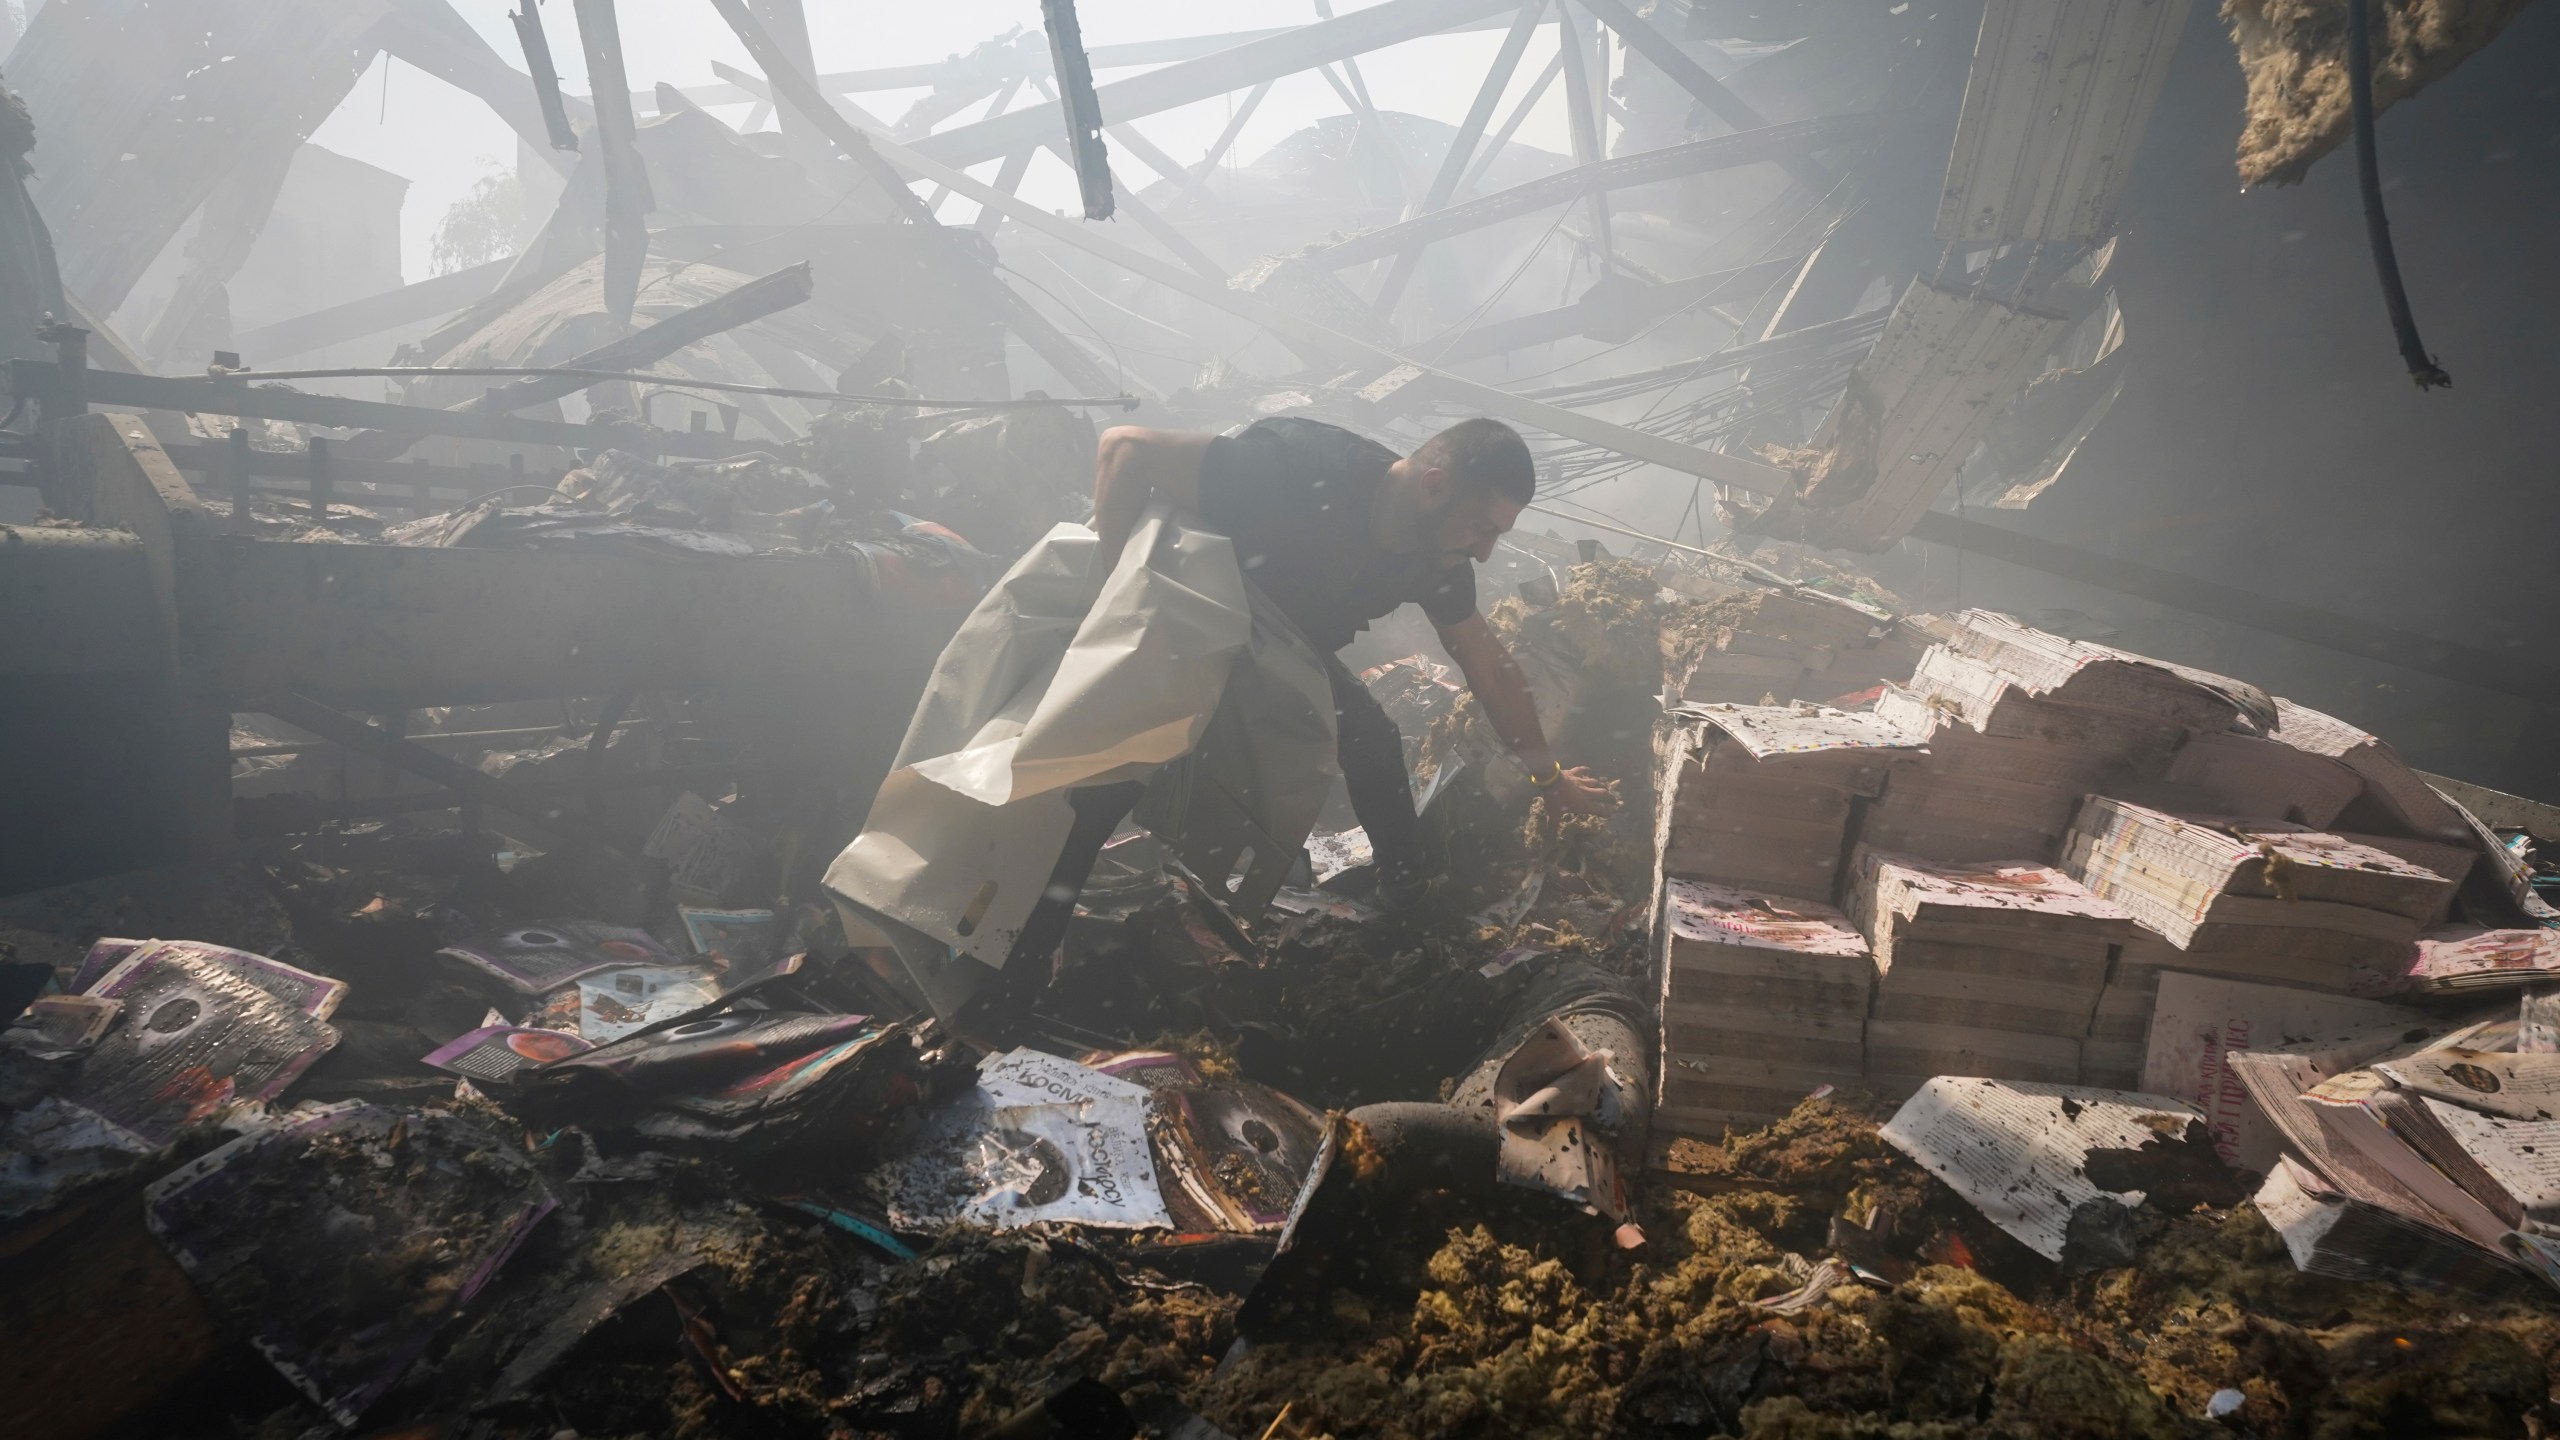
(1298, 498)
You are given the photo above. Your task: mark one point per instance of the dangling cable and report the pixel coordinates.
(2377, 225)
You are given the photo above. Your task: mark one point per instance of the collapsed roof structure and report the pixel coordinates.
(1750, 226)
(495, 574)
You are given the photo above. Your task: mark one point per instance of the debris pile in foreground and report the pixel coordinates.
(2172, 1056)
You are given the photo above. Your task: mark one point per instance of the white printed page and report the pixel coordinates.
(2517, 1087)
(2017, 1151)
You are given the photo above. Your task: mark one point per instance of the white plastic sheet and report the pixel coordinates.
(1055, 681)
(1136, 684)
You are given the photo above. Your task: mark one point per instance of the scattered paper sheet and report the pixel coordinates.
(781, 1092)
(314, 995)
(2357, 1110)
(2521, 1156)
(1156, 1070)
(1033, 1077)
(999, 1167)
(103, 956)
(2518, 1087)
(1819, 1281)
(618, 1002)
(733, 937)
(1330, 855)
(200, 1033)
(1501, 965)
(500, 1054)
(1234, 1154)
(2329, 1231)
(538, 959)
(2464, 957)
(63, 1025)
(2019, 1151)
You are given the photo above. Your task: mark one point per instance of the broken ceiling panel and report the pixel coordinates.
(1949, 362)
(2054, 113)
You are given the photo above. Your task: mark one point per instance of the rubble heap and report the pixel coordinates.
(562, 1145)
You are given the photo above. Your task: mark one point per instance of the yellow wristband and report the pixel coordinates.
(1555, 772)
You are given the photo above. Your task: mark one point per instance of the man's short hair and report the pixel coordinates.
(1484, 454)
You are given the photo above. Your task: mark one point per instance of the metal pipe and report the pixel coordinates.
(1008, 179)
(1462, 146)
(323, 483)
(1689, 75)
(236, 464)
(627, 201)
(1773, 143)
(1285, 53)
(521, 794)
(484, 739)
(793, 86)
(1086, 154)
(682, 382)
(1573, 42)
(546, 77)
(1528, 101)
(407, 755)
(1296, 329)
(1355, 93)
(1208, 165)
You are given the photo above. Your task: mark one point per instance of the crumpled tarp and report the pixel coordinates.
(1056, 681)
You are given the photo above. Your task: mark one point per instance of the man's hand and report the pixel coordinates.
(1133, 466)
(1504, 692)
(1579, 791)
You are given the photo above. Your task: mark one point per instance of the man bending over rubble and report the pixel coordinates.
(1338, 532)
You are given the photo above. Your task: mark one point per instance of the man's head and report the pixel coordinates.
(1462, 489)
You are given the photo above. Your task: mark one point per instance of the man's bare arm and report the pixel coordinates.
(1503, 689)
(1135, 465)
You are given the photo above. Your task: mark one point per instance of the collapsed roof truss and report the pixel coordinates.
(2015, 188)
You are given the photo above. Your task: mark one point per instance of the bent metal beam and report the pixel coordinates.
(1299, 332)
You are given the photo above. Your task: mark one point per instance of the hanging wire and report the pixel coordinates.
(1467, 322)
(2377, 223)
(1081, 319)
(663, 382)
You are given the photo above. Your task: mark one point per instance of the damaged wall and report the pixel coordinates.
(2266, 436)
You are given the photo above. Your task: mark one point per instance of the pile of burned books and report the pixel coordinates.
(2423, 1161)
(1764, 1000)
(1775, 645)
(1988, 870)
(1980, 968)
